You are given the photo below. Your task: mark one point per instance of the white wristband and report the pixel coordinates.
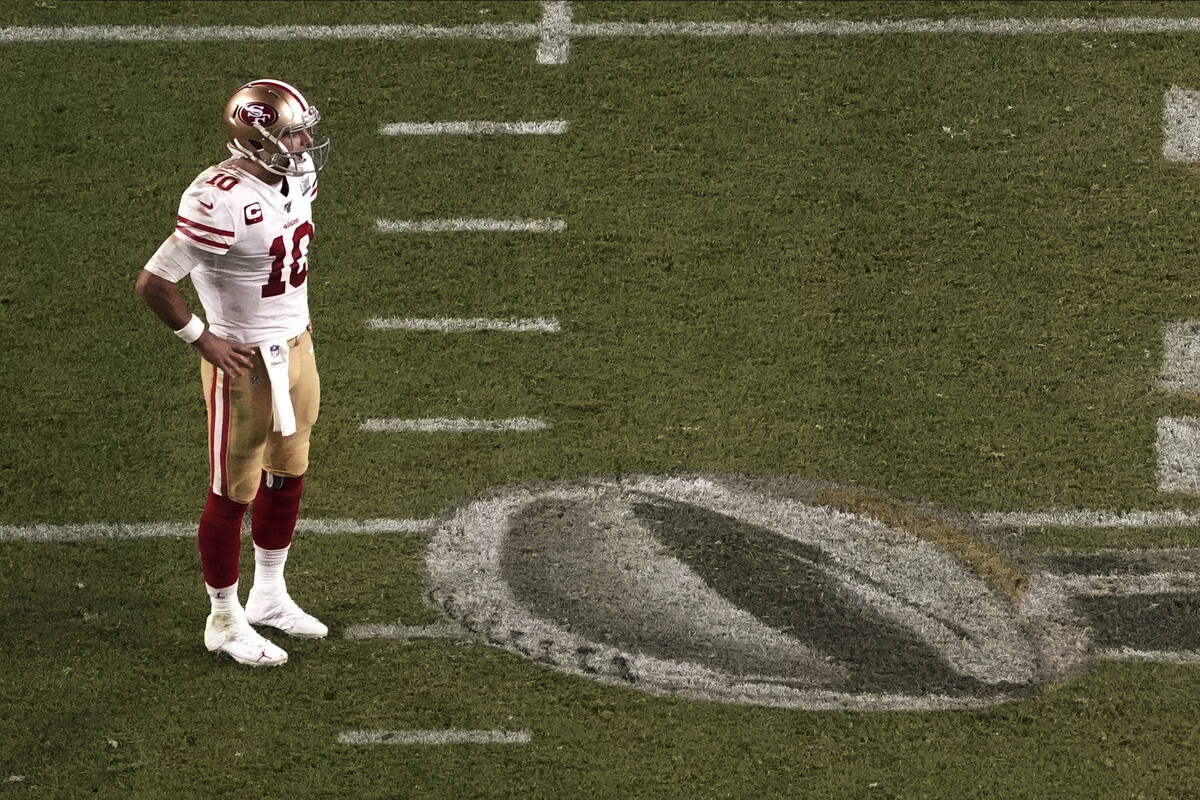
(191, 332)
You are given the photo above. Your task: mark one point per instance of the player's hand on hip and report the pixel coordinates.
(235, 359)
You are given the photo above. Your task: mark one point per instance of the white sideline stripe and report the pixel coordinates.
(1150, 583)
(1179, 454)
(459, 425)
(556, 30)
(1181, 340)
(1161, 656)
(448, 736)
(166, 530)
(550, 127)
(404, 632)
(459, 224)
(1181, 124)
(550, 31)
(462, 325)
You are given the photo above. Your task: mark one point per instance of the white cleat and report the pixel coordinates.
(281, 611)
(231, 634)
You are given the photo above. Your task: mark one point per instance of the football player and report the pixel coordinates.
(242, 234)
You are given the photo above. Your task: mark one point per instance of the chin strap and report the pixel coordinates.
(239, 151)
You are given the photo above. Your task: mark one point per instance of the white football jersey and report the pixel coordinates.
(254, 285)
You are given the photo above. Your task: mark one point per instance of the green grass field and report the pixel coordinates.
(935, 266)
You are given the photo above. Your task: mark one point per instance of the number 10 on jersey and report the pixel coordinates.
(299, 267)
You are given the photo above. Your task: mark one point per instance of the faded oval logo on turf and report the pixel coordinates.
(766, 591)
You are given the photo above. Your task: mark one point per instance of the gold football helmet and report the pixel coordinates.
(262, 114)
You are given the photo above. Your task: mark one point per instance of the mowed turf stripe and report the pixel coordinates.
(164, 530)
(555, 33)
(463, 325)
(433, 737)
(457, 425)
(551, 127)
(470, 225)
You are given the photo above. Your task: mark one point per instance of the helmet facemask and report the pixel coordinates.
(296, 160)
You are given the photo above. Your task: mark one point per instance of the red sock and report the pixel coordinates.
(276, 507)
(220, 540)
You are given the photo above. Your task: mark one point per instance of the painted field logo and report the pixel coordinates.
(766, 591)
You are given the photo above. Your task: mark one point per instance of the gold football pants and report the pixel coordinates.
(241, 439)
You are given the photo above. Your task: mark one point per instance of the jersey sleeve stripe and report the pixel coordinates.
(211, 243)
(202, 227)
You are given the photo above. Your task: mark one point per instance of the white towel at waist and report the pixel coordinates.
(275, 356)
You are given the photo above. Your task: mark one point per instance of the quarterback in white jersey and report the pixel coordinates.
(242, 234)
(254, 285)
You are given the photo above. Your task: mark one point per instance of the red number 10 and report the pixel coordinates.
(222, 181)
(275, 285)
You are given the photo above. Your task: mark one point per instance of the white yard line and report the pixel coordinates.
(992, 27)
(342, 526)
(1179, 454)
(1178, 441)
(462, 225)
(464, 325)
(447, 736)
(550, 127)
(457, 425)
(161, 530)
(1132, 584)
(44, 532)
(1066, 518)
(1181, 340)
(510, 31)
(405, 632)
(554, 33)
(555, 30)
(1181, 124)
(1161, 656)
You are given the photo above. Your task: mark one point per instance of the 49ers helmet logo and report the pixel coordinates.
(257, 114)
